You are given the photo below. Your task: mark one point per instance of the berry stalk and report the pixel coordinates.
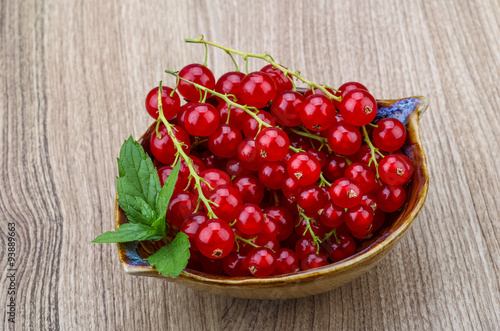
(373, 150)
(268, 58)
(315, 238)
(184, 156)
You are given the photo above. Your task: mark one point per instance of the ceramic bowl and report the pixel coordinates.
(321, 279)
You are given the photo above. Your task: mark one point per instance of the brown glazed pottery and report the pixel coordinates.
(321, 279)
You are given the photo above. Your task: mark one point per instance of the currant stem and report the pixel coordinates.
(184, 156)
(315, 238)
(234, 61)
(324, 181)
(248, 241)
(309, 135)
(268, 58)
(334, 233)
(373, 150)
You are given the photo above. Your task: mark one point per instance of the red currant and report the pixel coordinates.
(190, 227)
(395, 169)
(248, 155)
(251, 126)
(311, 198)
(306, 246)
(317, 112)
(359, 219)
(341, 249)
(318, 155)
(282, 82)
(213, 178)
(391, 198)
(304, 167)
(233, 265)
(237, 116)
(170, 104)
(250, 189)
(269, 230)
(364, 176)
(234, 167)
(389, 135)
(257, 89)
(198, 74)
(344, 138)
(273, 174)
(287, 262)
(227, 202)
(260, 262)
(317, 227)
(283, 218)
(334, 167)
(224, 141)
(369, 200)
(317, 91)
(313, 261)
(346, 193)
(285, 108)
(331, 215)
(201, 119)
(215, 239)
(229, 83)
(358, 107)
(181, 182)
(250, 219)
(181, 207)
(364, 155)
(163, 148)
(291, 188)
(272, 144)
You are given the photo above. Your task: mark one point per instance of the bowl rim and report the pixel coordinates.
(378, 246)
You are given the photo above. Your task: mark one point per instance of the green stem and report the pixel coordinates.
(234, 61)
(324, 181)
(310, 135)
(206, 56)
(266, 57)
(329, 234)
(248, 241)
(315, 238)
(373, 150)
(184, 156)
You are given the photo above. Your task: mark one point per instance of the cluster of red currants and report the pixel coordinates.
(292, 179)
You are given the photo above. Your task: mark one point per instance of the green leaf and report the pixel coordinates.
(161, 226)
(138, 176)
(147, 211)
(172, 258)
(166, 192)
(127, 232)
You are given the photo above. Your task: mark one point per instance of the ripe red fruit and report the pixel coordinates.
(257, 89)
(291, 188)
(163, 148)
(227, 202)
(181, 182)
(304, 168)
(364, 155)
(269, 230)
(346, 193)
(250, 219)
(251, 126)
(306, 246)
(331, 215)
(359, 219)
(344, 248)
(273, 174)
(190, 227)
(237, 116)
(317, 112)
(234, 167)
(198, 74)
(389, 135)
(201, 119)
(170, 104)
(248, 156)
(224, 141)
(391, 198)
(181, 207)
(364, 176)
(282, 82)
(285, 108)
(395, 169)
(334, 167)
(272, 144)
(344, 138)
(229, 83)
(260, 261)
(358, 107)
(213, 178)
(283, 218)
(287, 262)
(233, 265)
(318, 91)
(311, 198)
(301, 227)
(313, 261)
(215, 239)
(250, 189)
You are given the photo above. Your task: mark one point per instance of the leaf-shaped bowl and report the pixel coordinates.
(321, 279)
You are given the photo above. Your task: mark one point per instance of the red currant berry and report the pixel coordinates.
(163, 148)
(170, 104)
(282, 82)
(331, 215)
(233, 265)
(181, 115)
(237, 116)
(260, 262)
(349, 86)
(287, 262)
(285, 108)
(250, 189)
(213, 178)
(378, 220)
(181, 182)
(395, 169)
(181, 206)
(306, 246)
(291, 205)
(311, 198)
(224, 141)
(249, 157)
(272, 244)
(272, 144)
(344, 138)
(368, 200)
(358, 107)
(283, 218)
(391, 198)
(229, 83)
(317, 112)
(317, 91)
(291, 188)
(313, 261)
(341, 249)
(346, 193)
(389, 135)
(257, 89)
(227, 202)
(215, 239)
(301, 227)
(234, 167)
(304, 168)
(210, 160)
(201, 119)
(190, 227)
(364, 155)
(364, 176)
(197, 164)
(359, 219)
(198, 74)
(250, 219)
(334, 167)
(251, 126)
(273, 174)
(318, 155)
(269, 230)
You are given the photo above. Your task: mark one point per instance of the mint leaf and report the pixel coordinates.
(127, 232)
(172, 258)
(161, 226)
(138, 177)
(147, 211)
(166, 192)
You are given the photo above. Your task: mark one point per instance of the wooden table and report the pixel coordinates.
(74, 75)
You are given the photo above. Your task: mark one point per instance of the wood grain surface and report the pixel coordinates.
(73, 78)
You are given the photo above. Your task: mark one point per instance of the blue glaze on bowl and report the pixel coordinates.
(133, 258)
(400, 110)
